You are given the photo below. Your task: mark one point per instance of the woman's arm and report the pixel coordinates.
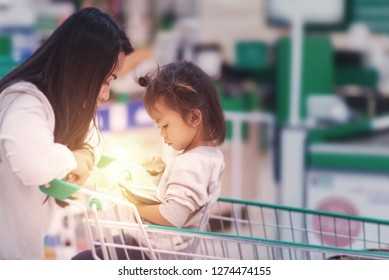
(84, 159)
(28, 141)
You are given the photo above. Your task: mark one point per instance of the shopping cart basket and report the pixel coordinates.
(100, 214)
(264, 231)
(236, 229)
(299, 233)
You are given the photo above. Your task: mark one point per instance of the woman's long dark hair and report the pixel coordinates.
(70, 68)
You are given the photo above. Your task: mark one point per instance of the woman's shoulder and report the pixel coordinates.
(23, 91)
(26, 95)
(22, 87)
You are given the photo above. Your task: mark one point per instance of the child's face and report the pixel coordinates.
(176, 132)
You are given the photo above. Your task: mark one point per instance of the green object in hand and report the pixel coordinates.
(59, 189)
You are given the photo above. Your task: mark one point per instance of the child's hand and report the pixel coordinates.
(154, 165)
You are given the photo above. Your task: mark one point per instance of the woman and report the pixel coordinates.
(47, 106)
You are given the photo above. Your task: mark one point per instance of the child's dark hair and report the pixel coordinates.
(184, 87)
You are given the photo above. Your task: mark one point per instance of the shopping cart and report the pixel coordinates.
(236, 229)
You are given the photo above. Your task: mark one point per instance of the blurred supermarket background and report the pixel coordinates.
(304, 85)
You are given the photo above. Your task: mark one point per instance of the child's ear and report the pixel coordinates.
(195, 117)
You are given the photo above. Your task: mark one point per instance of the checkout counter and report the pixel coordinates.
(332, 159)
(347, 171)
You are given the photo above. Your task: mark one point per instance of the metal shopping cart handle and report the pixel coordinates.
(59, 189)
(62, 190)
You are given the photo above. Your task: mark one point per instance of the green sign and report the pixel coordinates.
(373, 13)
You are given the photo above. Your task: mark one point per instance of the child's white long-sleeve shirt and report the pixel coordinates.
(189, 185)
(28, 158)
(190, 182)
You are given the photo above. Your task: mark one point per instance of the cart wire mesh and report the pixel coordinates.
(236, 229)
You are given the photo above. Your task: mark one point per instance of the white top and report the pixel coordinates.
(187, 184)
(28, 158)
(188, 187)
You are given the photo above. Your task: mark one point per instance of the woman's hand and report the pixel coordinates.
(84, 159)
(154, 165)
